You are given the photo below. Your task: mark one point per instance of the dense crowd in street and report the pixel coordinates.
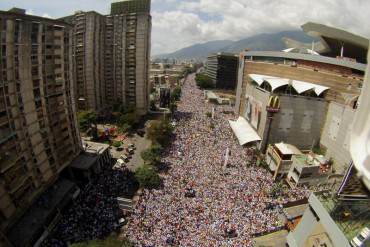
(95, 212)
(203, 202)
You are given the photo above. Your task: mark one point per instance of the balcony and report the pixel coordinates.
(7, 160)
(5, 135)
(4, 120)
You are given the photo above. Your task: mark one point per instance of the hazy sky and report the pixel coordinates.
(180, 23)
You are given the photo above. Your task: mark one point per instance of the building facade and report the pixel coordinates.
(38, 130)
(112, 56)
(312, 92)
(87, 43)
(335, 219)
(223, 69)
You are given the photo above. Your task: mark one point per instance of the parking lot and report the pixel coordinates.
(140, 143)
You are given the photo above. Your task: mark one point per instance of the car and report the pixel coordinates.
(124, 158)
(130, 150)
(122, 222)
(141, 133)
(131, 146)
(362, 239)
(120, 162)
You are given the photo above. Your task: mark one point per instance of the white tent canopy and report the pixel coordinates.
(257, 78)
(302, 86)
(299, 86)
(277, 82)
(243, 131)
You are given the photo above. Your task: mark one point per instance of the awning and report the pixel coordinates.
(286, 148)
(257, 78)
(302, 86)
(299, 86)
(277, 82)
(243, 131)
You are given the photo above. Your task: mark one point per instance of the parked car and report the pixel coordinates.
(141, 132)
(362, 239)
(132, 146)
(130, 151)
(124, 158)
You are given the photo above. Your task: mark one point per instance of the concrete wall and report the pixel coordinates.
(336, 135)
(310, 226)
(299, 121)
(261, 97)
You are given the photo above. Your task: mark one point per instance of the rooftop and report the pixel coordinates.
(308, 57)
(311, 159)
(84, 161)
(38, 215)
(286, 148)
(350, 216)
(275, 239)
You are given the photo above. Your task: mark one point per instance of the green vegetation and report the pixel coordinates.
(176, 94)
(173, 107)
(111, 241)
(318, 150)
(126, 117)
(151, 156)
(159, 132)
(86, 119)
(147, 176)
(204, 81)
(152, 106)
(208, 114)
(116, 144)
(277, 189)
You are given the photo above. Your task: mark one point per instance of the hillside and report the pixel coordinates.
(265, 41)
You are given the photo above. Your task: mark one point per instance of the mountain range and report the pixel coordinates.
(264, 41)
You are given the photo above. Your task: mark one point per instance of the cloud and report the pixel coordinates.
(193, 21)
(47, 16)
(180, 23)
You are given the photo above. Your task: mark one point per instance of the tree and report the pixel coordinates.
(151, 156)
(173, 107)
(127, 121)
(86, 119)
(147, 176)
(116, 144)
(277, 190)
(160, 131)
(176, 94)
(204, 81)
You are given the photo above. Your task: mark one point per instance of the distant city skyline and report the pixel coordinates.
(180, 23)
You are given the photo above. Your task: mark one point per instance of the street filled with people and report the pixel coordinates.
(94, 214)
(205, 200)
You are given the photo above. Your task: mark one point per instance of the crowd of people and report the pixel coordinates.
(94, 214)
(204, 202)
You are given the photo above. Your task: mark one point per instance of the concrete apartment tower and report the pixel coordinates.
(129, 28)
(38, 130)
(88, 54)
(111, 55)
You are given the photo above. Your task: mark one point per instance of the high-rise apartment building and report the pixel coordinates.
(38, 129)
(112, 55)
(222, 68)
(88, 54)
